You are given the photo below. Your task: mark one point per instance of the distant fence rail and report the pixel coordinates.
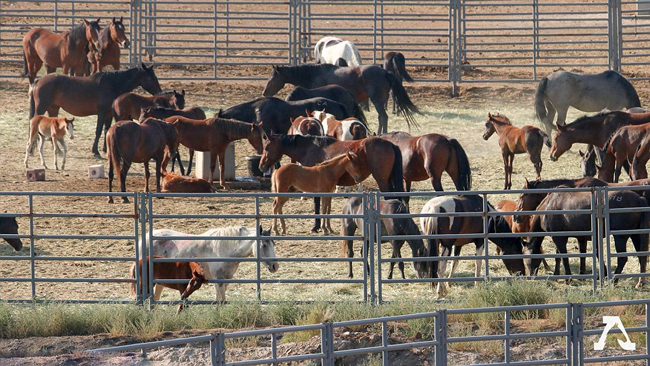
(454, 41)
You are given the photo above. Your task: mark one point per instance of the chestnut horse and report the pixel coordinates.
(620, 149)
(112, 37)
(130, 142)
(130, 105)
(514, 140)
(66, 50)
(53, 129)
(641, 156)
(91, 95)
(320, 178)
(174, 183)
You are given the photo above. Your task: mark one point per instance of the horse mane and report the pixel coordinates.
(309, 71)
(501, 119)
(232, 126)
(116, 78)
(78, 33)
(551, 183)
(297, 93)
(228, 245)
(588, 119)
(332, 160)
(293, 140)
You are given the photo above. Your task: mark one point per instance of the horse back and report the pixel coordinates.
(77, 95)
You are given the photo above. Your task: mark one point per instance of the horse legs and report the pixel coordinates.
(582, 245)
(454, 263)
(55, 148)
(397, 253)
(382, 116)
(157, 291)
(41, 142)
(327, 209)
(110, 179)
(49, 69)
(64, 151)
(158, 174)
(278, 203)
(548, 124)
(536, 159)
(348, 228)
(442, 268)
(189, 164)
(479, 262)
(620, 242)
(220, 292)
(560, 243)
(98, 133)
(506, 159)
(317, 225)
(643, 260)
(126, 165)
(213, 165)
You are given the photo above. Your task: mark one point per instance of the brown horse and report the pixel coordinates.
(92, 95)
(164, 113)
(306, 126)
(112, 37)
(174, 183)
(130, 105)
(641, 156)
(620, 149)
(429, 155)
(214, 135)
(130, 142)
(321, 178)
(593, 130)
(66, 50)
(53, 129)
(514, 140)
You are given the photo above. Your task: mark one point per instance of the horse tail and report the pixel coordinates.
(399, 65)
(132, 274)
(540, 96)
(464, 170)
(631, 94)
(396, 174)
(547, 140)
(32, 102)
(357, 113)
(25, 69)
(405, 106)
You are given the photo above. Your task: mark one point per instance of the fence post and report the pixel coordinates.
(147, 247)
(369, 249)
(441, 337)
(576, 333)
(32, 249)
(218, 350)
(327, 344)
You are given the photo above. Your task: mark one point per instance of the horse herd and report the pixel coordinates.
(322, 128)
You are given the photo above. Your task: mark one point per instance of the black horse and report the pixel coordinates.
(396, 63)
(333, 92)
(8, 225)
(389, 226)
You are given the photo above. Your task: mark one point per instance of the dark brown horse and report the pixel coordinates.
(66, 50)
(620, 149)
(9, 225)
(130, 105)
(91, 95)
(514, 140)
(364, 82)
(113, 37)
(130, 142)
(333, 92)
(429, 155)
(378, 157)
(638, 168)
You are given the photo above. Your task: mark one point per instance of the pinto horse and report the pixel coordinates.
(620, 149)
(112, 38)
(332, 92)
(365, 82)
(66, 50)
(9, 225)
(514, 140)
(346, 130)
(130, 105)
(306, 126)
(91, 95)
(378, 157)
(130, 142)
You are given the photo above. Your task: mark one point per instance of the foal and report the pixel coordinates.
(174, 183)
(514, 140)
(49, 128)
(319, 178)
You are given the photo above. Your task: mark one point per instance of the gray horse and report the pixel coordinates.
(588, 93)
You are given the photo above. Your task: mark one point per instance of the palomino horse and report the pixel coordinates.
(558, 222)
(9, 225)
(328, 50)
(514, 140)
(321, 178)
(92, 95)
(222, 248)
(390, 226)
(174, 183)
(588, 93)
(50, 128)
(593, 130)
(346, 130)
(396, 63)
(620, 149)
(214, 135)
(332, 92)
(306, 126)
(130, 105)
(378, 157)
(112, 38)
(130, 142)
(365, 82)
(66, 50)
(465, 225)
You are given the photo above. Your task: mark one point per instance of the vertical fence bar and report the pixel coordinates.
(506, 342)
(374, 32)
(148, 269)
(576, 333)
(364, 236)
(384, 343)
(258, 262)
(327, 344)
(72, 16)
(376, 221)
(56, 15)
(32, 250)
(619, 35)
(274, 348)
(227, 27)
(371, 247)
(290, 33)
(451, 48)
(567, 327)
(214, 38)
(220, 349)
(535, 36)
(441, 337)
(606, 242)
(647, 333)
(595, 263)
(138, 276)
(381, 25)
(486, 245)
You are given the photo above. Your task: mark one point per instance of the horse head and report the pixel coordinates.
(489, 128)
(561, 143)
(9, 225)
(588, 163)
(353, 167)
(178, 99)
(271, 152)
(267, 250)
(69, 127)
(93, 36)
(256, 137)
(149, 80)
(275, 83)
(117, 33)
(198, 279)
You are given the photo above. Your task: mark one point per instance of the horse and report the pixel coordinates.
(214, 135)
(66, 50)
(586, 92)
(112, 38)
(558, 222)
(429, 155)
(376, 156)
(390, 226)
(222, 248)
(174, 183)
(396, 63)
(593, 130)
(514, 140)
(588, 161)
(91, 95)
(130, 142)
(619, 151)
(130, 105)
(49, 128)
(164, 113)
(9, 225)
(306, 126)
(641, 156)
(323, 42)
(466, 225)
(348, 129)
(329, 50)
(191, 271)
(365, 82)
(332, 92)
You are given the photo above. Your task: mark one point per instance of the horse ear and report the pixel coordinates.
(98, 21)
(143, 66)
(489, 115)
(307, 113)
(86, 22)
(582, 155)
(526, 184)
(121, 19)
(183, 92)
(113, 20)
(559, 126)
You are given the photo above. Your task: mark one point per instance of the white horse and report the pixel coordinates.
(329, 50)
(241, 248)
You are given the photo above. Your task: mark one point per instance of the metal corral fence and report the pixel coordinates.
(577, 335)
(455, 41)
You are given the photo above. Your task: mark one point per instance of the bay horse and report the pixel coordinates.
(66, 50)
(174, 183)
(396, 63)
(9, 225)
(365, 82)
(320, 178)
(190, 271)
(130, 105)
(376, 156)
(638, 168)
(164, 113)
(619, 151)
(466, 225)
(306, 126)
(332, 92)
(558, 222)
(130, 142)
(91, 95)
(586, 92)
(213, 136)
(515, 140)
(49, 128)
(112, 38)
(346, 130)
(390, 226)
(217, 247)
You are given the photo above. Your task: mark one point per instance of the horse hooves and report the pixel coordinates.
(315, 230)
(125, 200)
(97, 155)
